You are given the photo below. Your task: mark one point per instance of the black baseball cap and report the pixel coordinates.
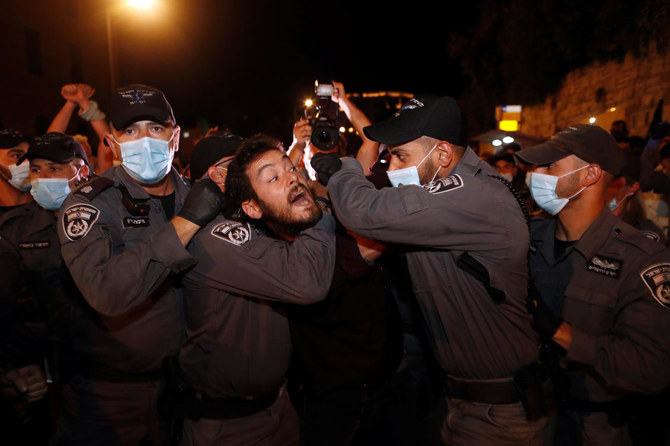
(138, 102)
(591, 143)
(54, 146)
(211, 149)
(424, 115)
(11, 138)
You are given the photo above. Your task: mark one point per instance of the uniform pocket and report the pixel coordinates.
(590, 309)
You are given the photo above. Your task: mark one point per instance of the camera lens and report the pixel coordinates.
(325, 137)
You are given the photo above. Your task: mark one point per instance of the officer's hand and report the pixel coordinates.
(203, 202)
(325, 165)
(29, 381)
(545, 322)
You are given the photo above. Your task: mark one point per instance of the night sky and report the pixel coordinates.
(249, 65)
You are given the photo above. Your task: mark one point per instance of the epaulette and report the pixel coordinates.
(93, 187)
(634, 237)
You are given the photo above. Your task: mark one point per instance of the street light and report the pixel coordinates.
(142, 4)
(111, 53)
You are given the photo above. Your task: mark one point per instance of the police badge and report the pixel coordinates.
(657, 279)
(233, 232)
(78, 220)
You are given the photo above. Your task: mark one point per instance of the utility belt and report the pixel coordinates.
(530, 385)
(616, 410)
(198, 406)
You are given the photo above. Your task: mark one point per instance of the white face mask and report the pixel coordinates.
(543, 191)
(148, 160)
(20, 175)
(50, 192)
(508, 176)
(409, 175)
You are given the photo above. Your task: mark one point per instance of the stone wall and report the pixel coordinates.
(628, 90)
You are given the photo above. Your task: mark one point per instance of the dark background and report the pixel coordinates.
(249, 65)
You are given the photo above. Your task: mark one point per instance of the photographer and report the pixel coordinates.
(302, 148)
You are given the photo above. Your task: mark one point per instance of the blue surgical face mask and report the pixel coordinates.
(148, 160)
(409, 175)
(50, 192)
(543, 191)
(20, 176)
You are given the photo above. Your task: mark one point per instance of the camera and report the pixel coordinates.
(325, 135)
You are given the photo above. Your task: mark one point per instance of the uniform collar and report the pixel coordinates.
(469, 164)
(588, 245)
(119, 175)
(597, 234)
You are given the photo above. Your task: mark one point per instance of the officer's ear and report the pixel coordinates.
(175, 138)
(109, 142)
(593, 175)
(251, 208)
(445, 153)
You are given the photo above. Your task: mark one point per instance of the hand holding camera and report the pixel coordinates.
(325, 135)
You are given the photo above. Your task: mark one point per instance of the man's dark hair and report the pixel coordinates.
(238, 184)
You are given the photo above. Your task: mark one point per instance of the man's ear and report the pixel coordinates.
(84, 171)
(445, 153)
(114, 147)
(593, 174)
(175, 138)
(251, 208)
(215, 174)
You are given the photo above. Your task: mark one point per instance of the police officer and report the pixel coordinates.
(238, 346)
(467, 241)
(602, 286)
(123, 238)
(35, 289)
(14, 181)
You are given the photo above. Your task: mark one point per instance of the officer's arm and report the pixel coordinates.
(114, 277)
(461, 218)
(185, 229)
(297, 272)
(635, 354)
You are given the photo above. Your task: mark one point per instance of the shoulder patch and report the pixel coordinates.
(657, 279)
(446, 184)
(605, 266)
(233, 232)
(93, 187)
(78, 220)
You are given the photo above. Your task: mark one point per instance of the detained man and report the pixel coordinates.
(272, 247)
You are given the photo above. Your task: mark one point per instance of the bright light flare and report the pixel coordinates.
(592, 119)
(141, 4)
(309, 103)
(508, 140)
(508, 125)
(496, 142)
